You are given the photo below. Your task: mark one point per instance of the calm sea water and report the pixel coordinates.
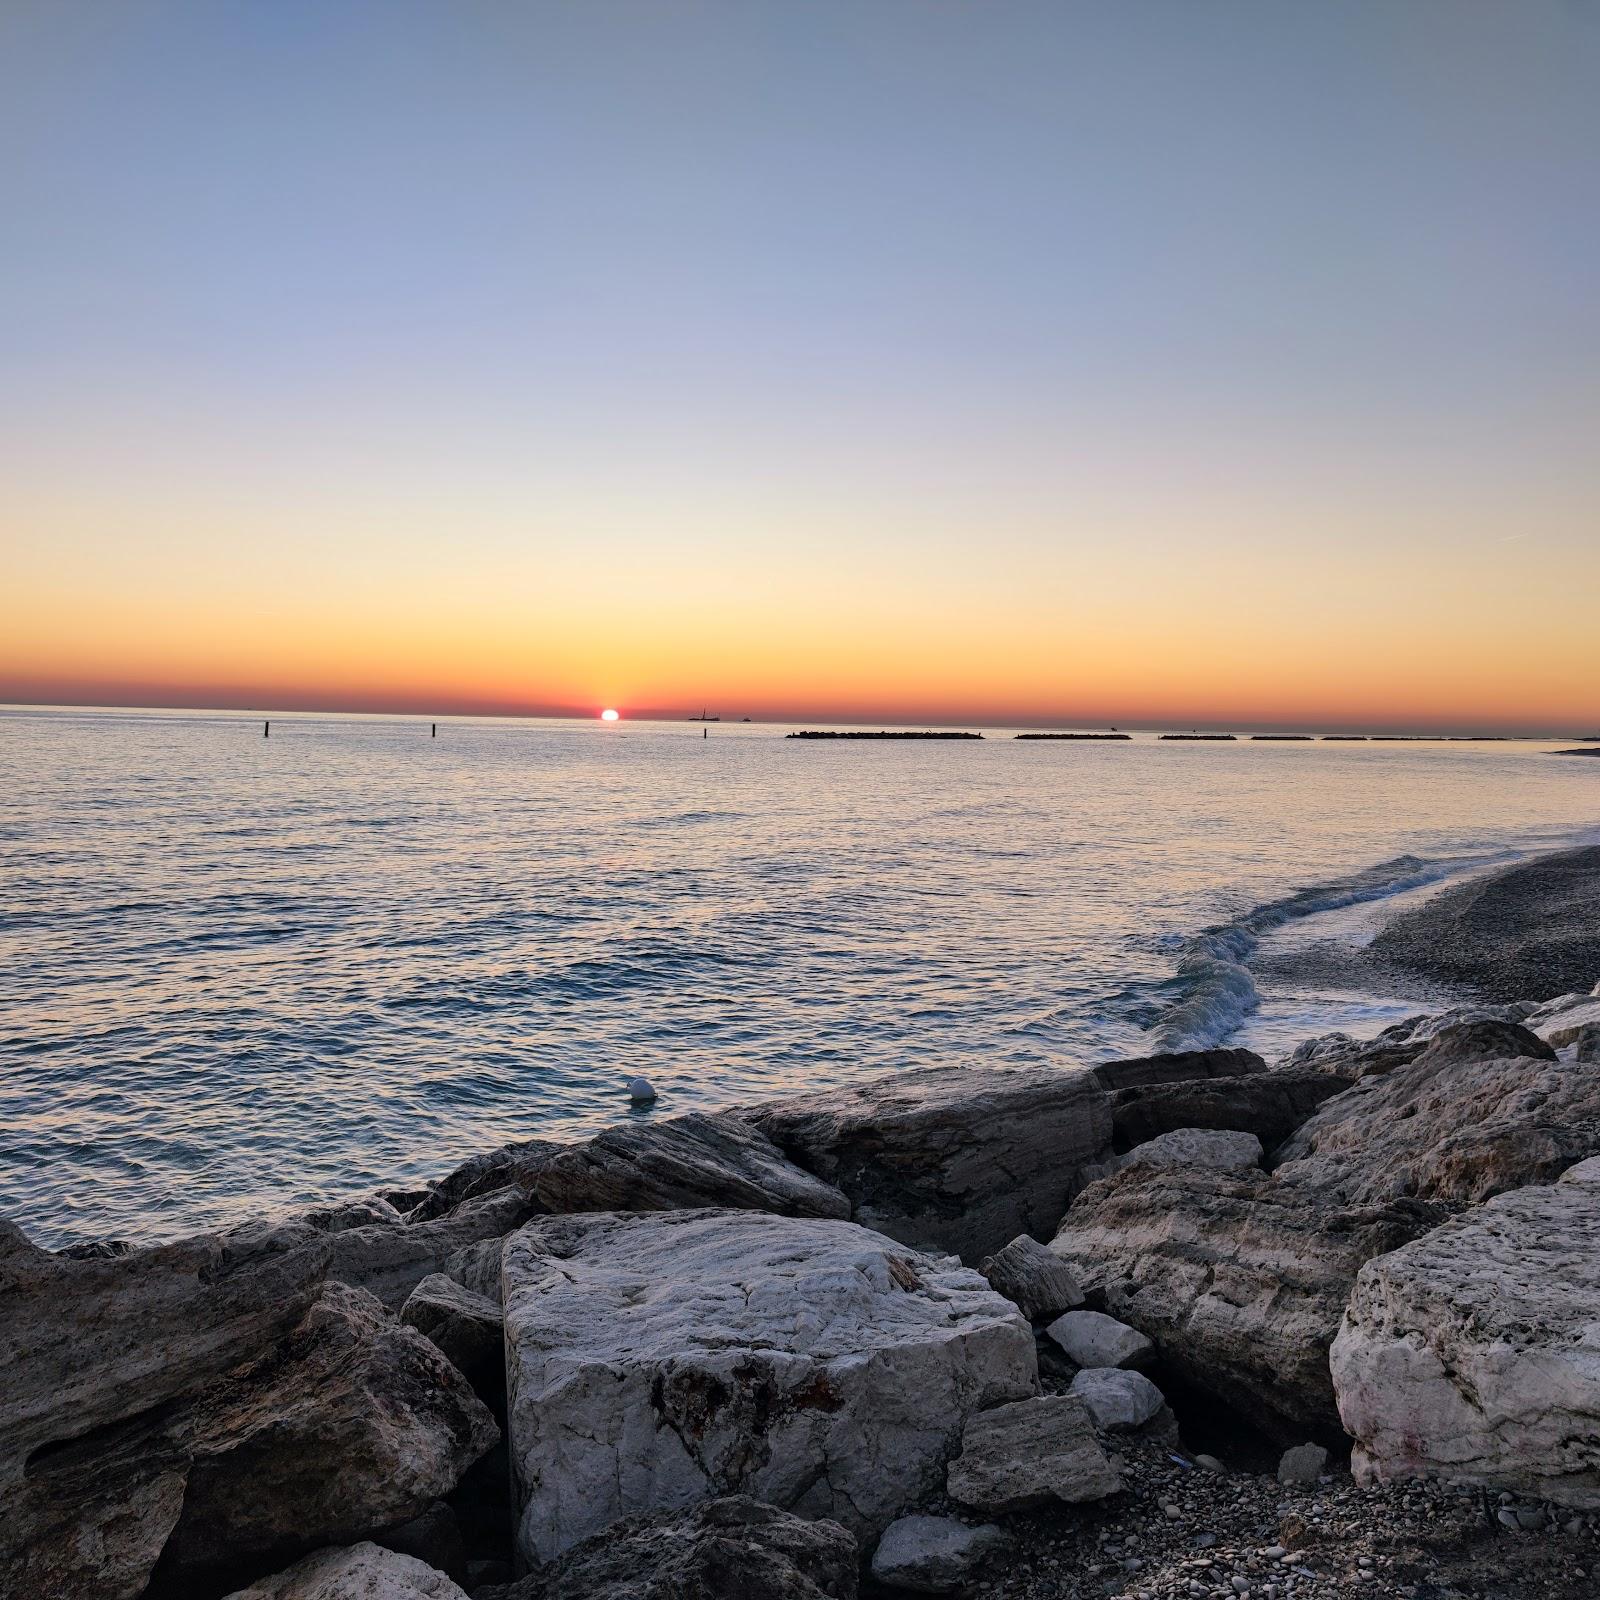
(240, 973)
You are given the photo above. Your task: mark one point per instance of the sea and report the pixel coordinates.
(244, 974)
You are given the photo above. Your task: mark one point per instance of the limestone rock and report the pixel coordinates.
(950, 1158)
(659, 1359)
(1560, 1022)
(353, 1424)
(935, 1555)
(1484, 1039)
(360, 1572)
(97, 1353)
(1030, 1275)
(517, 1164)
(1178, 1066)
(733, 1548)
(1092, 1339)
(391, 1262)
(1226, 1150)
(1029, 1453)
(373, 1211)
(1271, 1105)
(433, 1537)
(1450, 1129)
(689, 1161)
(1305, 1463)
(1474, 1353)
(468, 1329)
(1586, 1047)
(1239, 1278)
(1118, 1400)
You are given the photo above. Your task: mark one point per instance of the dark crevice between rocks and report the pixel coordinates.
(1211, 1426)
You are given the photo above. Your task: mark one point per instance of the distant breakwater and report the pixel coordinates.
(814, 733)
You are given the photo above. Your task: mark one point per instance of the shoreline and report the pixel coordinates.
(1530, 931)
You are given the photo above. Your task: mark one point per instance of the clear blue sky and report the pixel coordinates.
(579, 348)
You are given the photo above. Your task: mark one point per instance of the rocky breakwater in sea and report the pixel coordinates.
(1120, 1330)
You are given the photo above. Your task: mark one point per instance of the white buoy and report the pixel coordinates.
(640, 1091)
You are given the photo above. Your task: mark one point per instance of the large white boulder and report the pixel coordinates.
(656, 1360)
(1474, 1353)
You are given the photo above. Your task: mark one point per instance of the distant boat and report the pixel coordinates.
(704, 718)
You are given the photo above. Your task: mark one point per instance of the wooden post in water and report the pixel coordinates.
(705, 733)
(266, 730)
(433, 730)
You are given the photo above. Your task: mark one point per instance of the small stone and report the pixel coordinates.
(1273, 1552)
(1211, 1464)
(1506, 1517)
(1093, 1339)
(641, 1091)
(933, 1555)
(1117, 1400)
(1033, 1277)
(1303, 1464)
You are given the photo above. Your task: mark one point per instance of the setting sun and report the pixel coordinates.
(608, 715)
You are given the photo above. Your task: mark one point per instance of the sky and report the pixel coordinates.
(1137, 362)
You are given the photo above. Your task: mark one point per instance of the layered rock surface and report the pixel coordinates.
(960, 1159)
(1241, 1279)
(1474, 1353)
(681, 1163)
(660, 1359)
(734, 1548)
(235, 1409)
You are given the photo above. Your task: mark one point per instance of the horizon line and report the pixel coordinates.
(674, 715)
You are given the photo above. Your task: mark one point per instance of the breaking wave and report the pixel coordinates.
(1214, 991)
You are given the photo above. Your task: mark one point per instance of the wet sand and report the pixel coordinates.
(1527, 933)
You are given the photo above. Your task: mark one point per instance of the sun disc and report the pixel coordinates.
(608, 715)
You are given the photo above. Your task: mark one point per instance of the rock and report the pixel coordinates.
(1351, 1058)
(1092, 1339)
(1474, 1353)
(641, 1091)
(689, 1161)
(391, 1262)
(1305, 1463)
(1032, 1277)
(733, 1548)
(361, 1572)
(934, 1555)
(97, 1352)
(1239, 1278)
(432, 1537)
(1271, 1105)
(1178, 1066)
(1118, 1400)
(1560, 1022)
(1029, 1453)
(467, 1328)
(949, 1158)
(1587, 1044)
(353, 1424)
(1484, 1039)
(1450, 1128)
(496, 1169)
(1223, 1149)
(661, 1358)
(374, 1211)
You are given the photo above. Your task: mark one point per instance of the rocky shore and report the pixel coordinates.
(1192, 1325)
